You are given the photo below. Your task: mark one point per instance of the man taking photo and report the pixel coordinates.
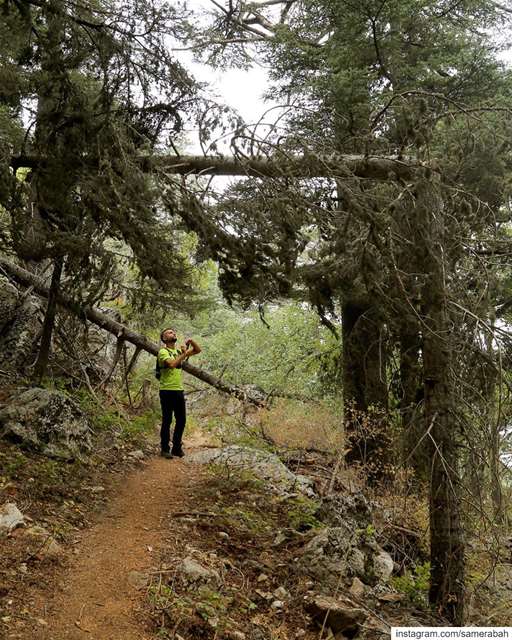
(172, 395)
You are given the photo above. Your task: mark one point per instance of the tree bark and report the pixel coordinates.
(336, 166)
(410, 394)
(121, 331)
(365, 390)
(49, 322)
(446, 535)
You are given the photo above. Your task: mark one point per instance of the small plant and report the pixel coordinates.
(211, 604)
(12, 463)
(415, 585)
(138, 427)
(301, 514)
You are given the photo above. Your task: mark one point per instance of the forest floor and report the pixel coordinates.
(122, 529)
(113, 574)
(92, 587)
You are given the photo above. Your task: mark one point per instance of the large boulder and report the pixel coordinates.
(341, 554)
(19, 327)
(338, 509)
(346, 548)
(47, 421)
(265, 466)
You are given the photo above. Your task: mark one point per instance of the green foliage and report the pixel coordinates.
(137, 428)
(212, 604)
(112, 419)
(94, 96)
(289, 351)
(12, 462)
(301, 513)
(415, 585)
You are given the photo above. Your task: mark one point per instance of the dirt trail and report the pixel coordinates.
(96, 598)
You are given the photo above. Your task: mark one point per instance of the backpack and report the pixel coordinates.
(158, 368)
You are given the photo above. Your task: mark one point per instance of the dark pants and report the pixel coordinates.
(172, 402)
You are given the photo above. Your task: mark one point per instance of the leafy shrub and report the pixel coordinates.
(415, 585)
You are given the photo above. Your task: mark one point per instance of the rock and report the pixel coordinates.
(52, 549)
(37, 531)
(48, 421)
(213, 622)
(97, 489)
(383, 630)
(48, 547)
(357, 588)
(18, 326)
(325, 557)
(11, 517)
(137, 455)
(223, 535)
(342, 553)
(340, 615)
(265, 466)
(338, 509)
(138, 579)
(260, 633)
(281, 594)
(193, 571)
(383, 566)
(391, 597)
(356, 562)
(279, 539)
(262, 578)
(277, 604)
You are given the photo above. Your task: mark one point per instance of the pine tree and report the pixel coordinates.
(90, 87)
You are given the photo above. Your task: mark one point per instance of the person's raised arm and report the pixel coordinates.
(172, 363)
(196, 348)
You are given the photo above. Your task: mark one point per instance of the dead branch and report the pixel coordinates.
(311, 166)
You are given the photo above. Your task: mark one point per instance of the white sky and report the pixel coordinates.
(241, 89)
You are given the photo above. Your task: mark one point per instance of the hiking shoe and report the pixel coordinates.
(179, 453)
(166, 454)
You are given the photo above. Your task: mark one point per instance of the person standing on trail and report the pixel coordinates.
(172, 396)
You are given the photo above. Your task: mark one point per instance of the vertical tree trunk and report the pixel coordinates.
(49, 322)
(415, 450)
(365, 386)
(446, 535)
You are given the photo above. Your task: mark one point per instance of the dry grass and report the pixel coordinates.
(297, 425)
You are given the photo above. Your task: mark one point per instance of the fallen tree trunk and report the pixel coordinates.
(25, 278)
(335, 166)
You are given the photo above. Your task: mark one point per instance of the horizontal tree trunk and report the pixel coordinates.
(336, 166)
(28, 279)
